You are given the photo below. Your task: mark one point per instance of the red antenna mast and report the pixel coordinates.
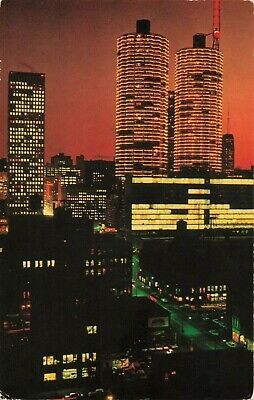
(216, 24)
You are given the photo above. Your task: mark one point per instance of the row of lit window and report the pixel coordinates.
(71, 373)
(100, 262)
(21, 121)
(93, 272)
(72, 358)
(39, 263)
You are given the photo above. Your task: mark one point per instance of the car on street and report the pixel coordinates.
(74, 396)
(164, 300)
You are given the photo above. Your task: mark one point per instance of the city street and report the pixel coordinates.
(181, 319)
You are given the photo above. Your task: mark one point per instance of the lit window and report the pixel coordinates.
(91, 329)
(70, 373)
(85, 373)
(69, 358)
(49, 377)
(48, 360)
(88, 357)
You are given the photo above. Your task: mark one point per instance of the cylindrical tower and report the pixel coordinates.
(142, 103)
(198, 106)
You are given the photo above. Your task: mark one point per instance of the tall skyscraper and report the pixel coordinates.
(142, 103)
(228, 152)
(198, 106)
(26, 142)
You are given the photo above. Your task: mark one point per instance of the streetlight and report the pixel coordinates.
(110, 397)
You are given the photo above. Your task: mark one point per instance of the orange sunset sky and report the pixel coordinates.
(74, 43)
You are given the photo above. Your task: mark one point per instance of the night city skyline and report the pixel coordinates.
(80, 118)
(126, 200)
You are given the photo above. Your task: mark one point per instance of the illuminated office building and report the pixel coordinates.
(217, 203)
(228, 152)
(198, 106)
(142, 103)
(26, 142)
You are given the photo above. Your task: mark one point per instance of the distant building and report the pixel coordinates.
(3, 185)
(26, 142)
(61, 160)
(198, 106)
(54, 194)
(141, 103)
(228, 152)
(171, 129)
(157, 204)
(62, 167)
(99, 174)
(86, 203)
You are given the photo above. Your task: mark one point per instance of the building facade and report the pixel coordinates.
(62, 167)
(198, 106)
(156, 204)
(99, 174)
(26, 142)
(87, 203)
(142, 103)
(228, 152)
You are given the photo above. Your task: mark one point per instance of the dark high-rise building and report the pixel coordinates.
(171, 129)
(198, 106)
(142, 103)
(87, 203)
(99, 174)
(67, 291)
(26, 142)
(228, 152)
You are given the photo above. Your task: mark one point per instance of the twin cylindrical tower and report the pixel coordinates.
(141, 103)
(198, 106)
(142, 135)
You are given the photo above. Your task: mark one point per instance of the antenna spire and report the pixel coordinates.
(228, 123)
(216, 24)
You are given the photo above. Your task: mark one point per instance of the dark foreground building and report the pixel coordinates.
(63, 290)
